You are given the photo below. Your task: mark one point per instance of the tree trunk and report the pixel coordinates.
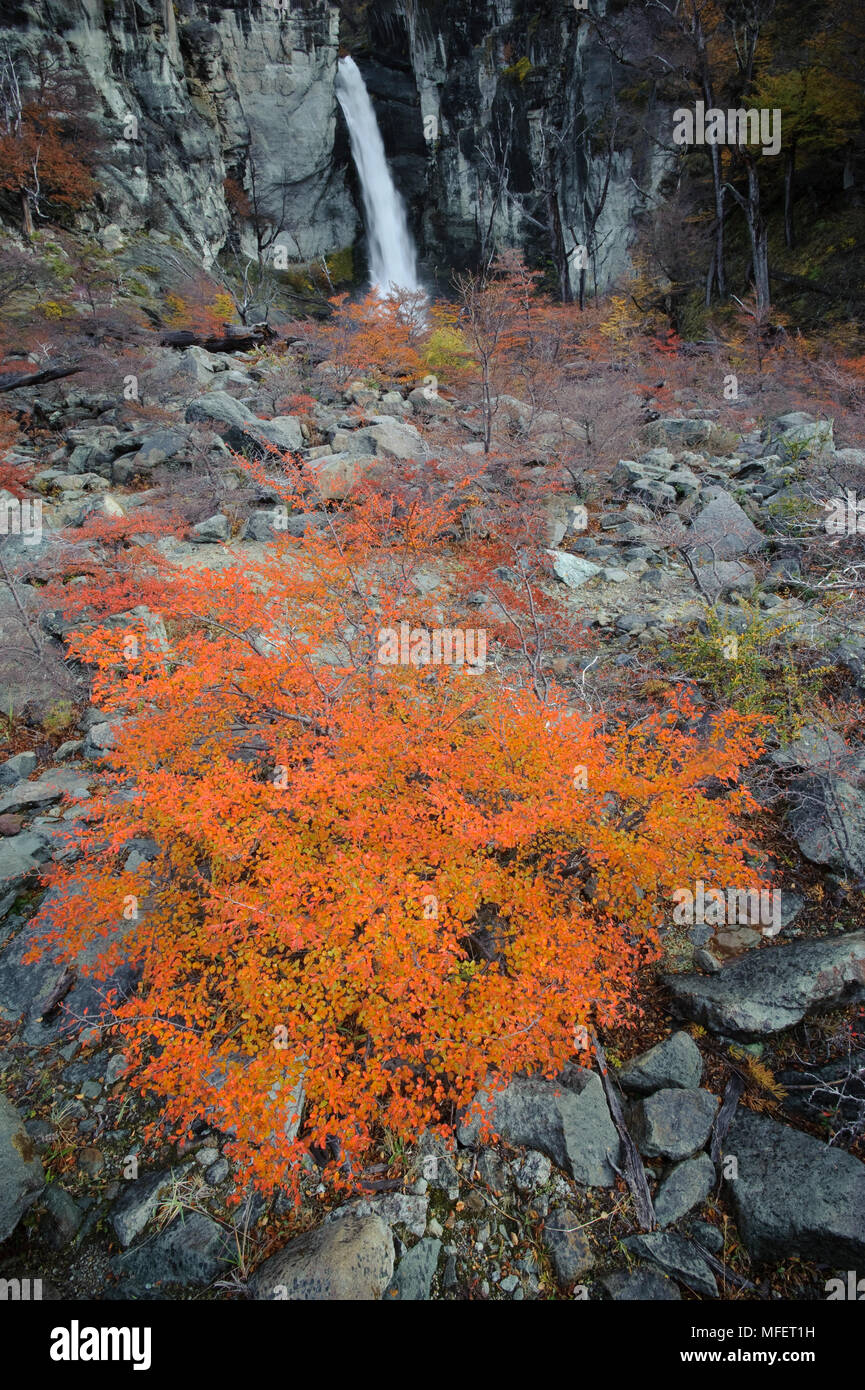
(557, 240)
(789, 172)
(759, 234)
(487, 409)
(718, 274)
(27, 216)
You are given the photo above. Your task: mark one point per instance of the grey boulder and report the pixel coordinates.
(21, 1174)
(347, 1260)
(793, 1194)
(566, 1119)
(773, 988)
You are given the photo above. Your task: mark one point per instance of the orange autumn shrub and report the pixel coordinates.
(375, 886)
(379, 338)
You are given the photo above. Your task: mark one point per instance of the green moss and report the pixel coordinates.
(340, 266)
(519, 70)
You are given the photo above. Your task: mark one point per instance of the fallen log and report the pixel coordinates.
(634, 1172)
(10, 380)
(724, 1118)
(232, 340)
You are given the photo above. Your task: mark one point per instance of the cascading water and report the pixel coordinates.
(392, 256)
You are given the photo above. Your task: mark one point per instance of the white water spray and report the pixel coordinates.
(392, 256)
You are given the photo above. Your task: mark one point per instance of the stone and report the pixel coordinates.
(723, 531)
(572, 570)
(673, 1123)
(638, 1285)
(62, 1217)
(827, 821)
(675, 1256)
(681, 431)
(21, 1174)
(101, 737)
(238, 425)
(653, 491)
(707, 1236)
(725, 578)
(395, 439)
(428, 402)
(351, 1259)
(336, 476)
(566, 1245)
(17, 768)
(674, 1062)
(217, 1172)
(771, 989)
(51, 787)
(532, 1171)
(415, 1272)
(812, 748)
(137, 1204)
(91, 1161)
(436, 1162)
(794, 1195)
(686, 1186)
(191, 1251)
(266, 525)
(20, 856)
(566, 1119)
(214, 529)
(799, 428)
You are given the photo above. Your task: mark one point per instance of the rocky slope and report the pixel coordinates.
(543, 1212)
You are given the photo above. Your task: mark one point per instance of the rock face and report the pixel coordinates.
(21, 1175)
(182, 100)
(350, 1259)
(794, 1195)
(767, 990)
(184, 97)
(568, 1120)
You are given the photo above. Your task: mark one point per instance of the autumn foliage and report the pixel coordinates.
(381, 337)
(384, 884)
(39, 162)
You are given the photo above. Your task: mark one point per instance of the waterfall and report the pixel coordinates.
(392, 256)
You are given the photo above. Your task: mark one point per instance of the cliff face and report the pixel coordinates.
(484, 108)
(202, 88)
(496, 115)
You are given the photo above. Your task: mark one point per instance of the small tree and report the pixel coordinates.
(40, 154)
(376, 885)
